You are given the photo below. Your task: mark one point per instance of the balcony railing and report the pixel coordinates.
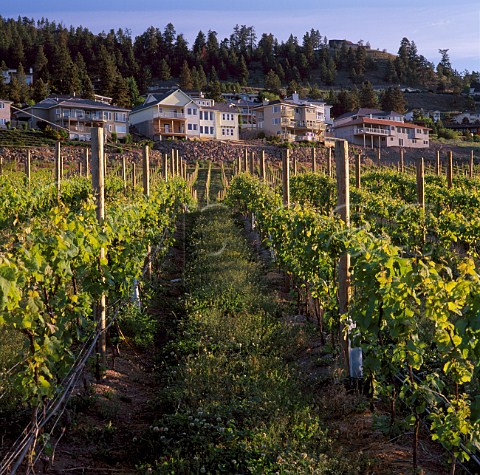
(372, 131)
(169, 115)
(287, 113)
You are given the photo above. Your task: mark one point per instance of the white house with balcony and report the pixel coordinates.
(379, 129)
(177, 115)
(164, 116)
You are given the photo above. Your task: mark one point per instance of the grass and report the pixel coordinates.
(230, 403)
(10, 349)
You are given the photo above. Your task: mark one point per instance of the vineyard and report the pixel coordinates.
(384, 265)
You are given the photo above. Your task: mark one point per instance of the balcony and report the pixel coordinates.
(169, 115)
(288, 113)
(371, 131)
(309, 125)
(165, 130)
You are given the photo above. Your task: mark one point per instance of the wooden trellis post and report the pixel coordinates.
(124, 173)
(421, 183)
(172, 163)
(28, 166)
(262, 165)
(134, 176)
(165, 166)
(470, 170)
(252, 163)
(353, 356)
(286, 176)
(358, 165)
(402, 162)
(98, 185)
(314, 160)
(450, 170)
(437, 163)
(58, 168)
(146, 170)
(329, 162)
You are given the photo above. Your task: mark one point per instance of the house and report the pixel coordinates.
(375, 128)
(76, 115)
(245, 107)
(465, 128)
(293, 118)
(163, 116)
(467, 118)
(8, 74)
(177, 115)
(5, 112)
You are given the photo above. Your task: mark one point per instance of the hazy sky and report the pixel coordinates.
(432, 24)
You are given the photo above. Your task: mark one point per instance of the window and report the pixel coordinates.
(276, 121)
(121, 129)
(223, 131)
(2, 105)
(195, 127)
(223, 116)
(275, 109)
(211, 115)
(201, 117)
(201, 128)
(189, 127)
(3, 121)
(194, 111)
(400, 142)
(189, 111)
(212, 130)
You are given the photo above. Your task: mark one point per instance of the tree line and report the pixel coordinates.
(76, 61)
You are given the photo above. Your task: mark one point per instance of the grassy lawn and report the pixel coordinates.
(230, 402)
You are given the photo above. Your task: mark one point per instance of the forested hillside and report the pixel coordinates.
(75, 60)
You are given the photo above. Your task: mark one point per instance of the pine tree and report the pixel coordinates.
(40, 90)
(133, 91)
(314, 92)
(391, 73)
(15, 91)
(120, 92)
(243, 71)
(107, 71)
(393, 100)
(165, 73)
(368, 97)
(22, 83)
(41, 64)
(185, 77)
(202, 78)
(293, 87)
(195, 79)
(272, 83)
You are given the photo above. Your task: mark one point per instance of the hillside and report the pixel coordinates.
(123, 67)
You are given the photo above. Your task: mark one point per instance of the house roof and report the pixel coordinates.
(72, 101)
(379, 121)
(157, 99)
(362, 112)
(5, 101)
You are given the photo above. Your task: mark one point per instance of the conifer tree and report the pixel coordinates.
(368, 97)
(165, 73)
(185, 77)
(40, 90)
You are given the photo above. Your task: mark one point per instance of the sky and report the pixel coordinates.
(431, 24)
